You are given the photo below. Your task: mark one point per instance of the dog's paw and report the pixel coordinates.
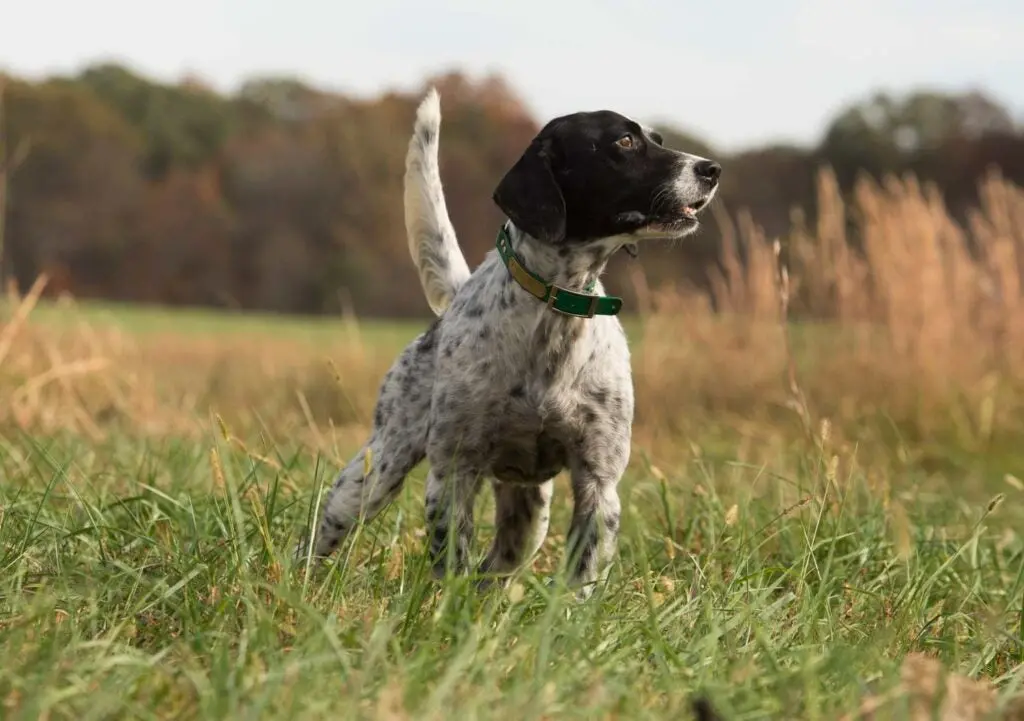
(488, 583)
(301, 549)
(584, 593)
(302, 553)
(437, 571)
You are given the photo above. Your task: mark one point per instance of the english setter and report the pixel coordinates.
(526, 369)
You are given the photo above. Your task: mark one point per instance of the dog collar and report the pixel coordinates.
(562, 300)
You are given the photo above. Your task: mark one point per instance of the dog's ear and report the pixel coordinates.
(530, 196)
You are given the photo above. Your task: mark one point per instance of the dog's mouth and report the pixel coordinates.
(682, 219)
(669, 222)
(690, 211)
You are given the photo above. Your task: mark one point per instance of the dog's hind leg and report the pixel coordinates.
(368, 483)
(375, 475)
(449, 510)
(596, 467)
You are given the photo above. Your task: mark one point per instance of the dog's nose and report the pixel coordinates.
(708, 169)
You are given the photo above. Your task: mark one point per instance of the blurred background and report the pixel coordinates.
(249, 157)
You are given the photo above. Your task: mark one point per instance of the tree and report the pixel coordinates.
(182, 126)
(287, 197)
(76, 189)
(879, 134)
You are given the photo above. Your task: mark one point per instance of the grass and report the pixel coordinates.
(817, 524)
(152, 580)
(155, 320)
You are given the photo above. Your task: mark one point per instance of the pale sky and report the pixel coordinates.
(735, 72)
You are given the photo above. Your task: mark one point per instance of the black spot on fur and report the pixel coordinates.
(611, 522)
(584, 549)
(475, 311)
(451, 345)
(586, 467)
(440, 260)
(517, 391)
(509, 555)
(438, 541)
(484, 333)
(429, 338)
(616, 405)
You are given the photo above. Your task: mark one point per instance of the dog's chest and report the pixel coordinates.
(526, 447)
(516, 387)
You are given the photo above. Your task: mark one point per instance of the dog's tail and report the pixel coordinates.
(432, 242)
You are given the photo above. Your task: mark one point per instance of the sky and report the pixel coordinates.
(737, 73)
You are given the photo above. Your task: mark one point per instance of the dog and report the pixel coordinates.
(526, 370)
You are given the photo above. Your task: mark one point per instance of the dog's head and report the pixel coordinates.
(599, 175)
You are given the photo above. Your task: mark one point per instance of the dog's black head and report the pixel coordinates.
(598, 175)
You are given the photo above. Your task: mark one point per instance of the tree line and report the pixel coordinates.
(287, 198)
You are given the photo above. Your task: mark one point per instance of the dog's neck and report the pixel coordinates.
(574, 267)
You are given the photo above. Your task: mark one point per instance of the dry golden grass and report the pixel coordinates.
(927, 691)
(98, 379)
(903, 320)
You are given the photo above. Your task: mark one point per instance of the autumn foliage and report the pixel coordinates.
(283, 197)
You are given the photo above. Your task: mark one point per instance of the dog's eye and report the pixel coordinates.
(626, 141)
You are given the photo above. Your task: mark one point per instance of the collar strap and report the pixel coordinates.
(562, 300)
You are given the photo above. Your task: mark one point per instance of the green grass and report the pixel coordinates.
(141, 319)
(138, 581)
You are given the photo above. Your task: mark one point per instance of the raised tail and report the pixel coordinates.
(432, 242)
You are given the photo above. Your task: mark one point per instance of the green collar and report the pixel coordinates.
(568, 302)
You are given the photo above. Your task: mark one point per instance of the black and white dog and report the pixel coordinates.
(526, 370)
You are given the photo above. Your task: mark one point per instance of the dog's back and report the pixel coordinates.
(432, 242)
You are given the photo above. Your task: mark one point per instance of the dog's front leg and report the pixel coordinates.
(593, 534)
(521, 517)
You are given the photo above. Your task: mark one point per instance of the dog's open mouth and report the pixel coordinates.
(683, 220)
(690, 211)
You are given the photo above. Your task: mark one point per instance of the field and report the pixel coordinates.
(822, 518)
